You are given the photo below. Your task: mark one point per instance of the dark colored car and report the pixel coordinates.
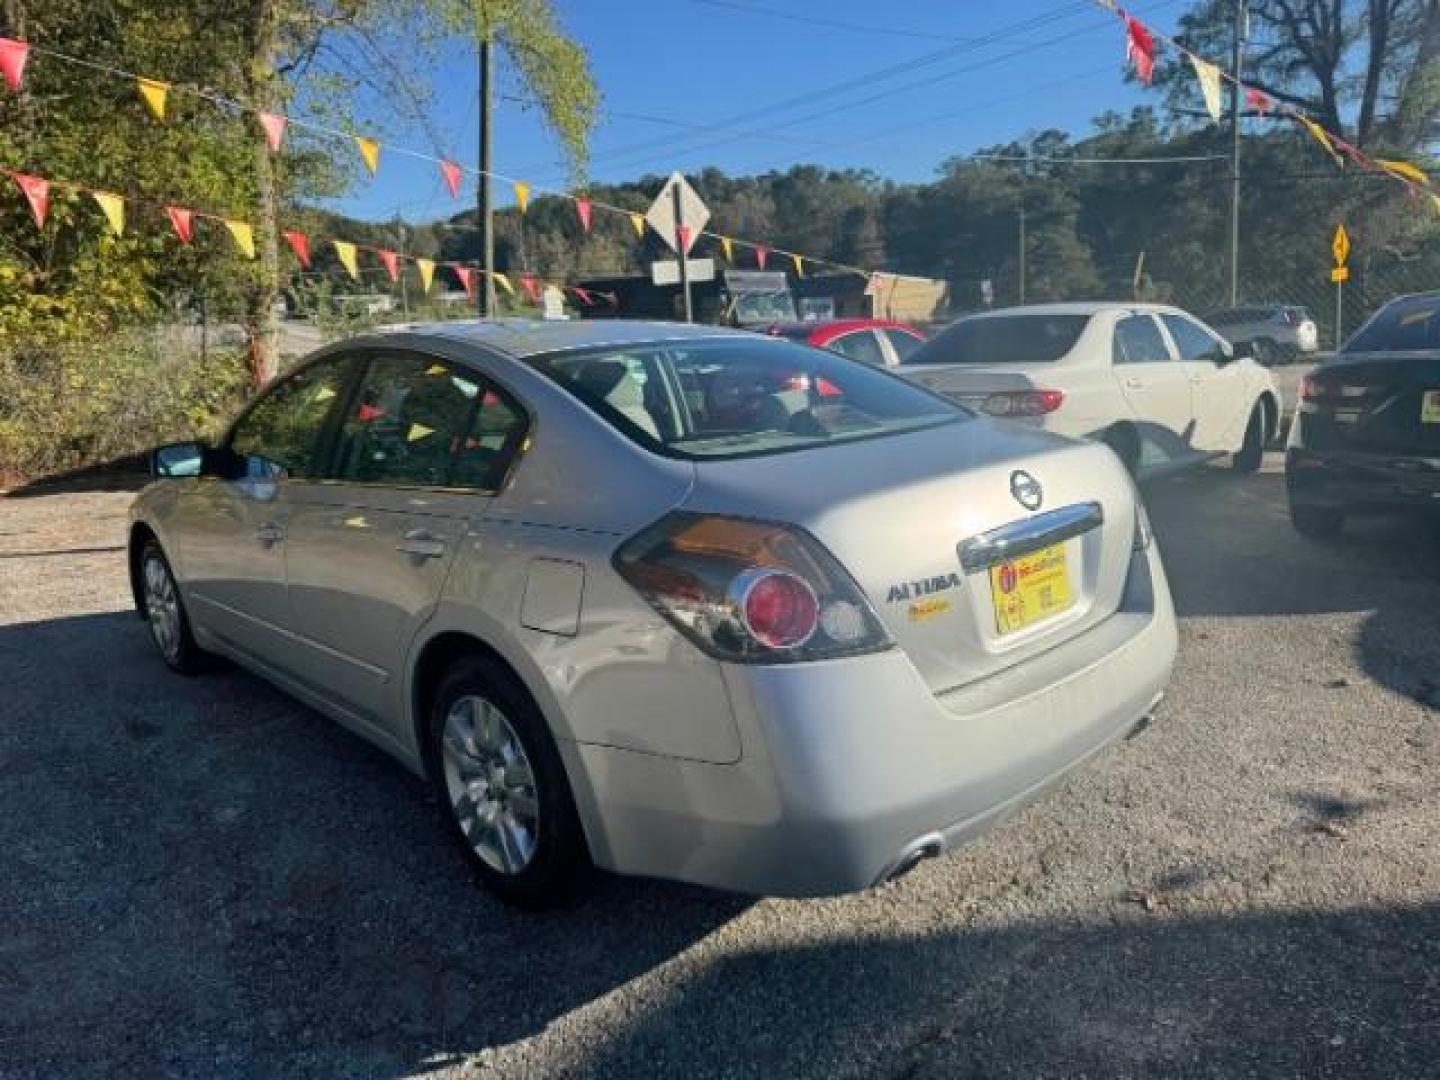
(879, 342)
(1366, 436)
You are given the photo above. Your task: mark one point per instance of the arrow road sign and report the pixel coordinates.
(1340, 246)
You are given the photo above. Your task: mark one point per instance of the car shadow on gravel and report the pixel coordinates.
(1386, 567)
(200, 876)
(1316, 994)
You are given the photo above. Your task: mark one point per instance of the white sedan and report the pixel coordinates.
(1157, 385)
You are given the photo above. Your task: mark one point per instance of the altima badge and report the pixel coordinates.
(1026, 489)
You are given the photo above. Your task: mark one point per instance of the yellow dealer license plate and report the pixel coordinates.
(1430, 407)
(1030, 589)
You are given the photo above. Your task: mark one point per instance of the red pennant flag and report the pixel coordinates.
(584, 296)
(531, 286)
(183, 221)
(37, 194)
(274, 125)
(13, 55)
(1351, 152)
(451, 172)
(366, 413)
(582, 207)
(300, 244)
(761, 254)
(1258, 100)
(1139, 48)
(391, 261)
(685, 238)
(467, 278)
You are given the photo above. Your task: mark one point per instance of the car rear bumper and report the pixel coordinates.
(853, 768)
(1361, 482)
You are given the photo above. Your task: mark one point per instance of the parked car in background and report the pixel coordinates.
(1157, 385)
(678, 601)
(878, 342)
(1366, 435)
(1278, 333)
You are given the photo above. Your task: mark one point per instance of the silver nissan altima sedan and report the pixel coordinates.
(666, 600)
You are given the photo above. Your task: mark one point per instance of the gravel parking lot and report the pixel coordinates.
(200, 877)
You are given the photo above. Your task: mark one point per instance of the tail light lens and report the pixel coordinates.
(749, 591)
(1023, 402)
(1311, 388)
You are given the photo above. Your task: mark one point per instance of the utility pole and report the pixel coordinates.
(1237, 60)
(1022, 249)
(486, 293)
(681, 246)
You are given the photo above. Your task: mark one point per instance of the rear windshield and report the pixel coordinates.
(738, 397)
(1003, 339)
(1409, 325)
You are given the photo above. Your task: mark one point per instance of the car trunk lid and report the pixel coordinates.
(1385, 404)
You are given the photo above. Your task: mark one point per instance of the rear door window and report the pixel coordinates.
(859, 345)
(1138, 341)
(905, 345)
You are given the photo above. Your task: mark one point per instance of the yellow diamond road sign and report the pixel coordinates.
(1340, 246)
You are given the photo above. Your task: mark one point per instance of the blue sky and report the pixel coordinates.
(770, 83)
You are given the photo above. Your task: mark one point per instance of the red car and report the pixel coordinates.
(880, 342)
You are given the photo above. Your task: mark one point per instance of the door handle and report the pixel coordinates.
(421, 544)
(270, 533)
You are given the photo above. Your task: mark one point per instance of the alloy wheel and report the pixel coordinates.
(491, 784)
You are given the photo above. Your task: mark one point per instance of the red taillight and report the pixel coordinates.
(1023, 402)
(1312, 388)
(780, 610)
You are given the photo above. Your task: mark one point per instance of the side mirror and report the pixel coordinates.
(176, 460)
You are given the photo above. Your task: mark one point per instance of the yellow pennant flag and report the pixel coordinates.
(799, 268)
(1209, 76)
(1402, 169)
(504, 282)
(153, 92)
(244, 238)
(638, 221)
(418, 432)
(114, 208)
(522, 195)
(725, 247)
(370, 151)
(427, 273)
(345, 252)
(1319, 135)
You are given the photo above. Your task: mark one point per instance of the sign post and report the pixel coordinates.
(1339, 274)
(678, 214)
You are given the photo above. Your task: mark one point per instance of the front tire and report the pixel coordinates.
(1317, 522)
(502, 786)
(1252, 450)
(164, 612)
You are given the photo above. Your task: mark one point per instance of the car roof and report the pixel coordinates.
(521, 338)
(1083, 307)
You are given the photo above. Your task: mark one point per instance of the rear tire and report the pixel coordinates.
(165, 614)
(1317, 522)
(502, 786)
(1252, 450)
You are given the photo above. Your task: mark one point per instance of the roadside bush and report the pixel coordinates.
(74, 403)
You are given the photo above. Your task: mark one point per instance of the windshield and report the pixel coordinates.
(737, 397)
(1003, 339)
(1408, 325)
(763, 307)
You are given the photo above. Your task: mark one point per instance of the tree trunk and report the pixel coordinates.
(263, 327)
(1379, 50)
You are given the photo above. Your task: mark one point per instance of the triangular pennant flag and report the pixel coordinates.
(183, 222)
(244, 237)
(391, 261)
(274, 125)
(726, 248)
(153, 91)
(370, 151)
(467, 278)
(761, 254)
(522, 195)
(437, 370)
(451, 172)
(1139, 48)
(799, 265)
(368, 413)
(1209, 77)
(1402, 169)
(1319, 135)
(13, 55)
(686, 238)
(345, 252)
(300, 244)
(584, 296)
(637, 222)
(582, 207)
(531, 285)
(1258, 100)
(37, 193)
(113, 207)
(427, 273)
(503, 281)
(418, 432)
